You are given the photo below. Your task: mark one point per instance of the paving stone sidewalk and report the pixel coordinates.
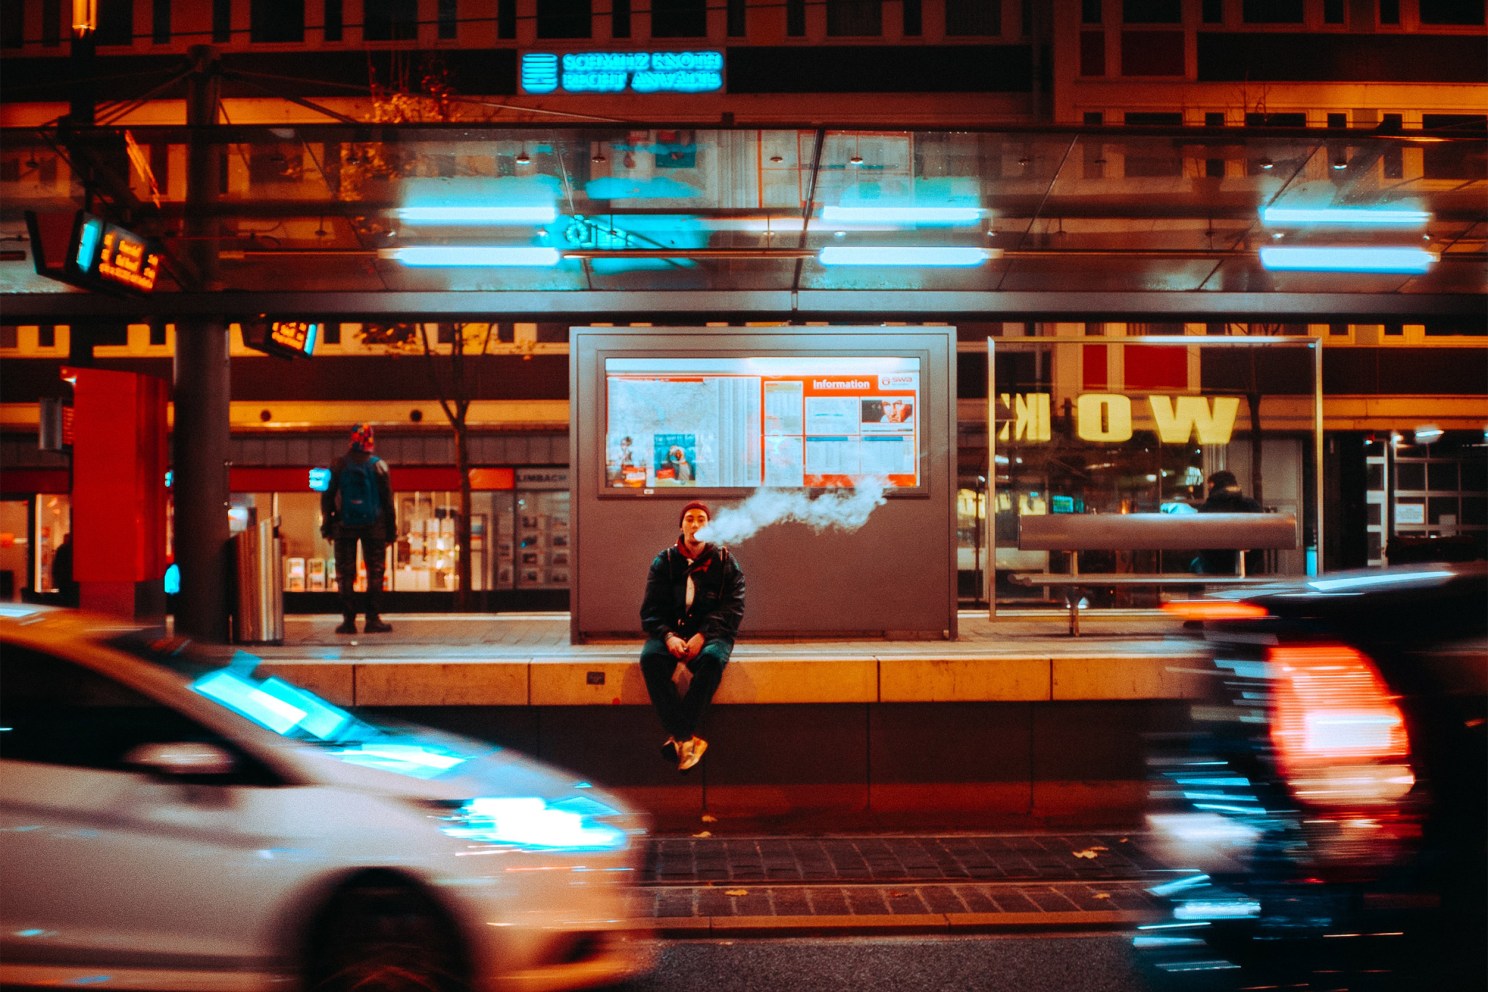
(741, 886)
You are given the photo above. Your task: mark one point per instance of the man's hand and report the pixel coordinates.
(693, 646)
(677, 647)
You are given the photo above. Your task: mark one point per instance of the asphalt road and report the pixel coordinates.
(1046, 963)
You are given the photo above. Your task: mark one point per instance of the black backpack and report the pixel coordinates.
(360, 500)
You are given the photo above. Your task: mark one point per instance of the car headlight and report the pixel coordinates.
(574, 823)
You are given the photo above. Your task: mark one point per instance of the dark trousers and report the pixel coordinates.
(374, 552)
(681, 714)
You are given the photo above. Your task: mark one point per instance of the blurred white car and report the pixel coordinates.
(170, 820)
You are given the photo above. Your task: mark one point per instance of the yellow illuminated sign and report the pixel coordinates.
(1107, 417)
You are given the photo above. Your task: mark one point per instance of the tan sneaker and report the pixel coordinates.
(690, 752)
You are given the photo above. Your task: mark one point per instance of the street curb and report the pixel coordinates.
(696, 927)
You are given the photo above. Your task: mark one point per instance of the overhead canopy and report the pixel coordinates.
(449, 219)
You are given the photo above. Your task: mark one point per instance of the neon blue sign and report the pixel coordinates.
(622, 72)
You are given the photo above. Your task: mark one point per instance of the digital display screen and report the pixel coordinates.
(107, 255)
(283, 338)
(797, 421)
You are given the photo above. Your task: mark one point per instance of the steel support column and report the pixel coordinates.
(200, 439)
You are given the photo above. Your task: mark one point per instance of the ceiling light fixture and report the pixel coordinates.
(473, 255)
(1403, 261)
(838, 213)
(1344, 216)
(531, 213)
(523, 158)
(926, 257)
(1266, 164)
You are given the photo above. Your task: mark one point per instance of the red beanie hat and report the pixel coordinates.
(694, 505)
(361, 437)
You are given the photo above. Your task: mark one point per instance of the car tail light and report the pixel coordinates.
(1214, 609)
(1339, 735)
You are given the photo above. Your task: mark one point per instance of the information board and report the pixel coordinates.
(798, 421)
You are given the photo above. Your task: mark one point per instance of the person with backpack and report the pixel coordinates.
(691, 611)
(357, 507)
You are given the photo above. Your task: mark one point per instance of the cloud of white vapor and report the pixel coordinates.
(847, 510)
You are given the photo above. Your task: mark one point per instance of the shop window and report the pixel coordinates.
(620, 19)
(1152, 53)
(115, 22)
(389, 20)
(1337, 121)
(1092, 53)
(1276, 120)
(506, 18)
(964, 18)
(1213, 11)
(1389, 12)
(1441, 475)
(160, 22)
(854, 18)
(221, 21)
(334, 17)
(46, 336)
(795, 18)
(1090, 11)
(447, 19)
(1332, 11)
(1152, 11)
(1271, 11)
(914, 18)
(563, 19)
(276, 21)
(1410, 476)
(1173, 119)
(10, 338)
(679, 19)
(1452, 12)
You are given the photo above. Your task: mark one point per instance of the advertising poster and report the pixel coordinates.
(813, 422)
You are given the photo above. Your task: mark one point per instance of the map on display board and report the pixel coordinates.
(797, 421)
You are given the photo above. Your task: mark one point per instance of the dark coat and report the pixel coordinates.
(718, 595)
(330, 503)
(1222, 561)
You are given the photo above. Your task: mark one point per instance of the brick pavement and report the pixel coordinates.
(961, 882)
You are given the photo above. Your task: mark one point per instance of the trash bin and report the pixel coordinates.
(258, 557)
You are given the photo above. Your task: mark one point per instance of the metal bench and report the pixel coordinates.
(1077, 532)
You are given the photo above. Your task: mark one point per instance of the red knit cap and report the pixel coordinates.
(361, 437)
(694, 505)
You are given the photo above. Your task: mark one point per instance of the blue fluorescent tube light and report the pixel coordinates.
(1344, 216)
(891, 255)
(1401, 260)
(837, 214)
(472, 255)
(529, 213)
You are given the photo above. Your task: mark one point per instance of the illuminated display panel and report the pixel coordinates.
(297, 337)
(283, 338)
(801, 421)
(622, 72)
(104, 256)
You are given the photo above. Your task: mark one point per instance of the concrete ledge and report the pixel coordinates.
(617, 681)
(947, 680)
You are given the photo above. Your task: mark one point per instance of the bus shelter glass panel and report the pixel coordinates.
(1123, 425)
